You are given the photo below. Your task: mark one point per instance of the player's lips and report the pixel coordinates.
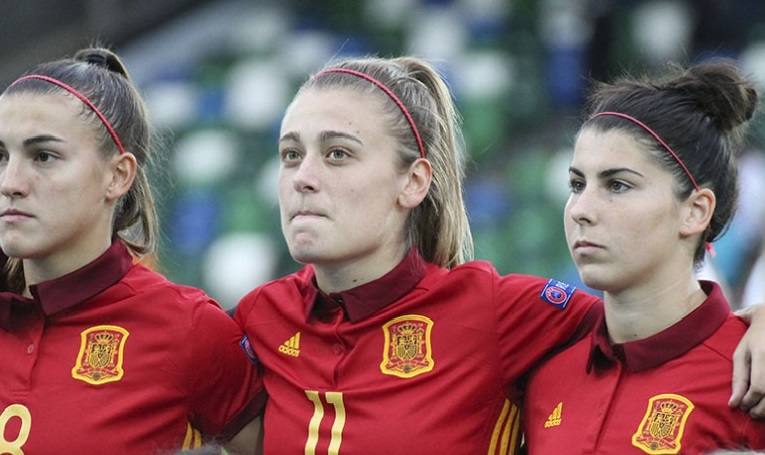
(303, 214)
(585, 245)
(12, 214)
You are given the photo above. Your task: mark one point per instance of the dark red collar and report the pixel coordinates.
(666, 345)
(68, 290)
(362, 301)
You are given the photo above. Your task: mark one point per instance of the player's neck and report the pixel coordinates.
(642, 311)
(353, 272)
(60, 263)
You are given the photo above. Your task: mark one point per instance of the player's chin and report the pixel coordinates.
(304, 252)
(21, 248)
(595, 277)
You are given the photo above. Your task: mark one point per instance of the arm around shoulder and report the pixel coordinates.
(225, 385)
(748, 388)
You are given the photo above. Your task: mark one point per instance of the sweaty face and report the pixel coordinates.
(339, 179)
(622, 219)
(52, 179)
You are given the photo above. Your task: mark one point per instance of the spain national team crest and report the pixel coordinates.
(101, 354)
(661, 431)
(407, 351)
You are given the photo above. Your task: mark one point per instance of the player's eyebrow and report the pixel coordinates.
(40, 138)
(327, 135)
(606, 172)
(291, 136)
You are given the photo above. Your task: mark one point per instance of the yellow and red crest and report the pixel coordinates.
(661, 430)
(407, 351)
(101, 354)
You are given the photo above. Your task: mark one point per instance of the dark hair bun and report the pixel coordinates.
(720, 91)
(102, 57)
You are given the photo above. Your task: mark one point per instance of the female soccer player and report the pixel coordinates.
(388, 341)
(101, 355)
(653, 181)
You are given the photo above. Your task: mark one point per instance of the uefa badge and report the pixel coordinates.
(557, 293)
(101, 355)
(661, 430)
(407, 350)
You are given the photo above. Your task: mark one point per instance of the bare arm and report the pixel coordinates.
(249, 440)
(749, 364)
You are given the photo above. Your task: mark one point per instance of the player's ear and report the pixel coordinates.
(697, 212)
(417, 184)
(121, 173)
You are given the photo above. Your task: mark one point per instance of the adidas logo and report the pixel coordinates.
(553, 420)
(291, 346)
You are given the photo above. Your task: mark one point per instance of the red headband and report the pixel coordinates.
(82, 98)
(390, 94)
(656, 137)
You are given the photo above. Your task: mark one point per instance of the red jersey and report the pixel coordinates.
(422, 360)
(664, 394)
(113, 358)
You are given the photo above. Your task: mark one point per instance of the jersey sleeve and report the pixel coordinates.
(753, 434)
(226, 390)
(537, 317)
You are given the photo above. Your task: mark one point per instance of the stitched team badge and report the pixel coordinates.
(557, 293)
(661, 430)
(246, 346)
(101, 354)
(407, 351)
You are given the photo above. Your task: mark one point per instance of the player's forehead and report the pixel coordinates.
(596, 148)
(25, 115)
(341, 109)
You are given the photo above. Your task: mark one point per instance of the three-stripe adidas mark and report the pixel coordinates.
(554, 419)
(291, 346)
